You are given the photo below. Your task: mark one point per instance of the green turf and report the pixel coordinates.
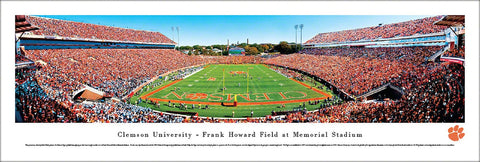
(262, 83)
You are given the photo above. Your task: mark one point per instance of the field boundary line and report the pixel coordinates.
(326, 95)
(159, 89)
(312, 88)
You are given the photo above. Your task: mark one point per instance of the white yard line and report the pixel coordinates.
(192, 73)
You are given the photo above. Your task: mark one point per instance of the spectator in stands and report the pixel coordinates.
(63, 28)
(357, 70)
(455, 53)
(114, 71)
(408, 28)
(434, 92)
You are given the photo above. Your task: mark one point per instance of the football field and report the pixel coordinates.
(255, 87)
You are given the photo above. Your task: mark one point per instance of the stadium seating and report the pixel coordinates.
(419, 26)
(416, 54)
(22, 74)
(434, 91)
(35, 106)
(354, 76)
(21, 59)
(460, 53)
(114, 71)
(437, 99)
(63, 28)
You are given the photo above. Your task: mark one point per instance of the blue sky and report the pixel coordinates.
(216, 29)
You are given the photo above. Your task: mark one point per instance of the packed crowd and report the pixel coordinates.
(120, 112)
(63, 28)
(34, 105)
(23, 74)
(434, 92)
(366, 68)
(438, 96)
(114, 71)
(44, 103)
(408, 28)
(21, 59)
(353, 75)
(455, 52)
(415, 55)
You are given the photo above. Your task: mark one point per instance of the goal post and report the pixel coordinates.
(223, 88)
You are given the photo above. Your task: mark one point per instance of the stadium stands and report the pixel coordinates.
(354, 76)
(21, 25)
(417, 54)
(35, 106)
(19, 59)
(114, 71)
(22, 74)
(63, 28)
(455, 53)
(420, 26)
(434, 91)
(357, 70)
(438, 100)
(68, 70)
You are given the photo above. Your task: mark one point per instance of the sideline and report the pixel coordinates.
(155, 78)
(159, 89)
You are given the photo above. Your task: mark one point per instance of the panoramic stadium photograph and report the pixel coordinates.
(239, 69)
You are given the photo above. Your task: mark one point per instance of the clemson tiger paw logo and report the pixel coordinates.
(195, 96)
(455, 133)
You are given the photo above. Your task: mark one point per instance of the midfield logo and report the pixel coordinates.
(211, 79)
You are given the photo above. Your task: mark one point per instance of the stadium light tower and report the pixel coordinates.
(301, 34)
(173, 33)
(178, 37)
(296, 31)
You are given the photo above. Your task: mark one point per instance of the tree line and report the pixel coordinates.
(250, 49)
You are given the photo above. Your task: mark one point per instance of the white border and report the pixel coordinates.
(15, 135)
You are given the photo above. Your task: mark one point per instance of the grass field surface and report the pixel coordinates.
(256, 88)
